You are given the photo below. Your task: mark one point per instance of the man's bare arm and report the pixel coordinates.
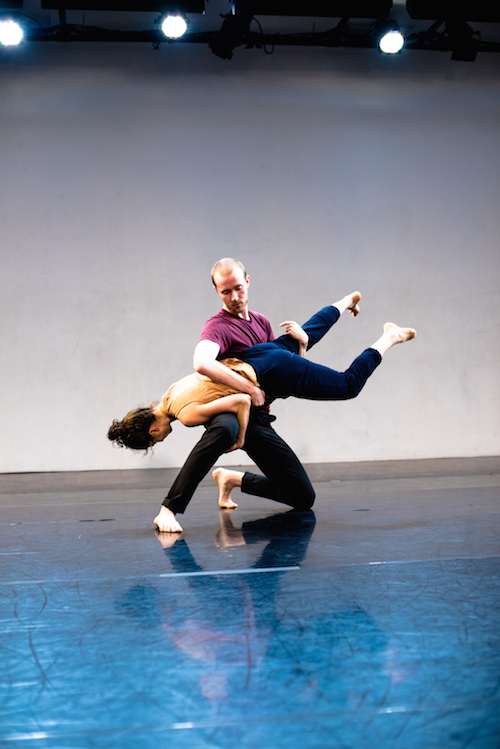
(205, 363)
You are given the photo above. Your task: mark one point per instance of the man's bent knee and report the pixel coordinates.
(304, 500)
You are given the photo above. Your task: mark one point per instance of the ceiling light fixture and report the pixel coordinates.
(11, 33)
(390, 39)
(174, 26)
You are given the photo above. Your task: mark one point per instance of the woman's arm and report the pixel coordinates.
(294, 330)
(199, 413)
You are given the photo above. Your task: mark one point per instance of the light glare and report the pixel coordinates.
(11, 33)
(174, 26)
(392, 42)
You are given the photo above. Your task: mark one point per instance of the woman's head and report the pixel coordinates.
(134, 429)
(141, 428)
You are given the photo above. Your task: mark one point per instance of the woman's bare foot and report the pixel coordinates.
(397, 334)
(165, 521)
(349, 302)
(353, 305)
(227, 481)
(393, 334)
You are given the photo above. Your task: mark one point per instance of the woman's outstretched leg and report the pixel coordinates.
(287, 374)
(392, 334)
(316, 328)
(319, 324)
(349, 302)
(365, 364)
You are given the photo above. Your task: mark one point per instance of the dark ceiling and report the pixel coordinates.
(463, 29)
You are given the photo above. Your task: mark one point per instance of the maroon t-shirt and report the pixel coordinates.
(234, 334)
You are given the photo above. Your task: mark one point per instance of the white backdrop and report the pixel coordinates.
(125, 173)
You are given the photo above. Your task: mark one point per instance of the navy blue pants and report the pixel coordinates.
(284, 478)
(281, 372)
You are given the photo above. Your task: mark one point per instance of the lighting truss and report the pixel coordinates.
(443, 25)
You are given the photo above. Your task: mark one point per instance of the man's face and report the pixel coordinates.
(233, 290)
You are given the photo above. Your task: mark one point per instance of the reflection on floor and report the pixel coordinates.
(372, 622)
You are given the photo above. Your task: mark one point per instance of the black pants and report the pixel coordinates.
(285, 479)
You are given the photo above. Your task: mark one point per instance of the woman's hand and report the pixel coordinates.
(199, 413)
(294, 330)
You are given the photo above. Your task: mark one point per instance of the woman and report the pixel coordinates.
(279, 368)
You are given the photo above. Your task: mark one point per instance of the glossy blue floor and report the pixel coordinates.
(372, 622)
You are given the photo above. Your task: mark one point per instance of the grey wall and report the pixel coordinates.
(125, 173)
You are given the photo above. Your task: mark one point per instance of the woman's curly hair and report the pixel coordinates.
(133, 430)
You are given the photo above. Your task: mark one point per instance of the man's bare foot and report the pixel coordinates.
(397, 334)
(227, 481)
(165, 521)
(349, 302)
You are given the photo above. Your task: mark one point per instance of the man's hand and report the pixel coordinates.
(258, 397)
(294, 330)
(205, 363)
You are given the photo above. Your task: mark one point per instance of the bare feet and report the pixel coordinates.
(165, 521)
(393, 334)
(353, 305)
(349, 302)
(397, 334)
(227, 481)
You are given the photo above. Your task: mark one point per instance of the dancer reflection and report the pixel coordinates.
(223, 623)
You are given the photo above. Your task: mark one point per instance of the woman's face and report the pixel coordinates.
(160, 428)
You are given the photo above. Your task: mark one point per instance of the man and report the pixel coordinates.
(233, 329)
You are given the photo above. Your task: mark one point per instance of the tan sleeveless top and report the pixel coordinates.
(196, 388)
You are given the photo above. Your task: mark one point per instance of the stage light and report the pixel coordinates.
(174, 26)
(11, 33)
(390, 38)
(391, 42)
